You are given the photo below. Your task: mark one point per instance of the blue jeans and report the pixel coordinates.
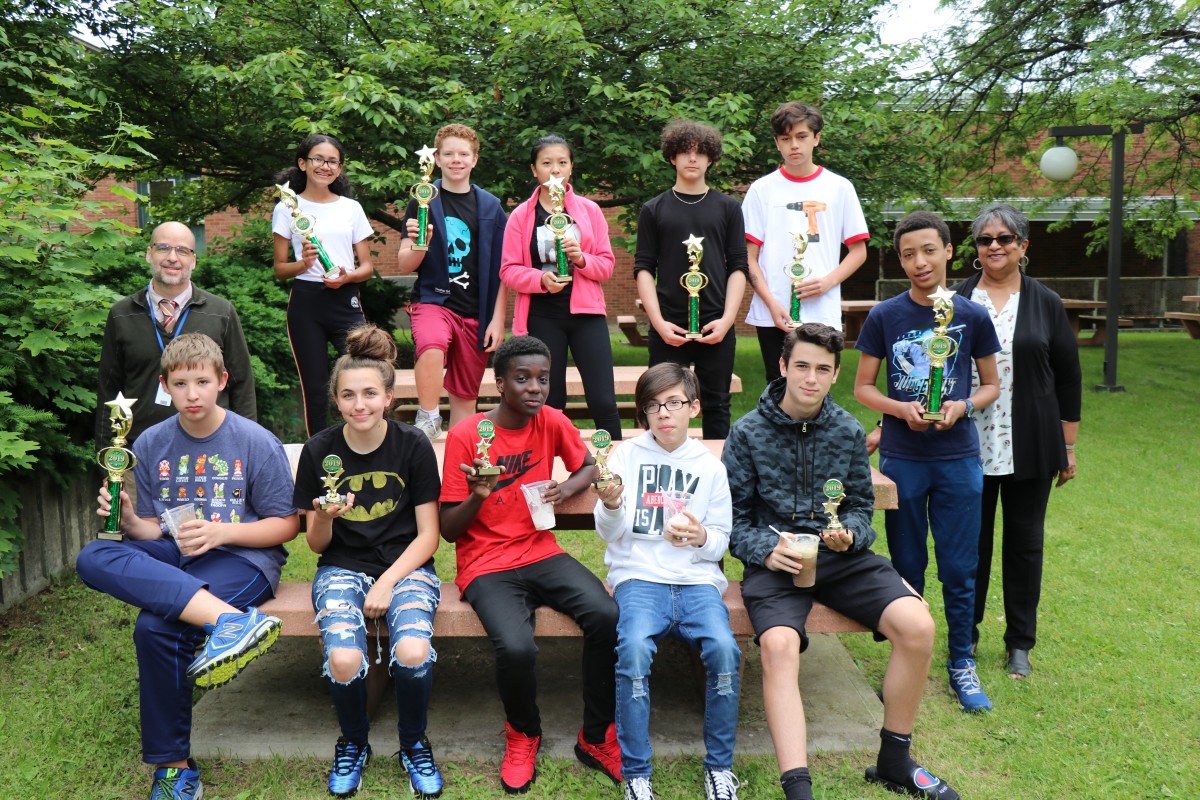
(698, 616)
(338, 596)
(944, 497)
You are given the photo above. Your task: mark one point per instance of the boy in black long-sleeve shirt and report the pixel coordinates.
(691, 209)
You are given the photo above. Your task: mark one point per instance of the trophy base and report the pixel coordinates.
(792, 324)
(419, 248)
(109, 536)
(329, 502)
(934, 416)
(562, 279)
(488, 471)
(606, 482)
(333, 274)
(690, 335)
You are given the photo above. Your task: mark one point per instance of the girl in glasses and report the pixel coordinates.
(323, 307)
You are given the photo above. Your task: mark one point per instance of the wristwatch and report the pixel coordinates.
(970, 407)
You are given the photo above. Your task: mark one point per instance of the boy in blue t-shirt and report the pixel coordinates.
(936, 466)
(213, 571)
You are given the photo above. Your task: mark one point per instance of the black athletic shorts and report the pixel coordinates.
(859, 585)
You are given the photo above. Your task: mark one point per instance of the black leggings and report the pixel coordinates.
(317, 316)
(1021, 554)
(714, 369)
(505, 603)
(587, 336)
(770, 343)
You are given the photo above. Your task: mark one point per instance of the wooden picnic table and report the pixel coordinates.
(624, 378)
(1079, 308)
(1191, 298)
(854, 314)
(1190, 319)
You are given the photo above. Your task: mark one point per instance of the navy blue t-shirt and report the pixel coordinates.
(893, 333)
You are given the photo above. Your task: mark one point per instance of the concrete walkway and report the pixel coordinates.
(281, 704)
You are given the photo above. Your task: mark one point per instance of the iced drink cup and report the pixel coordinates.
(541, 511)
(174, 517)
(806, 545)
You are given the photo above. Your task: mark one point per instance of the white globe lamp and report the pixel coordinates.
(1059, 163)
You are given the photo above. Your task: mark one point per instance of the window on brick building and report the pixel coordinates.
(158, 190)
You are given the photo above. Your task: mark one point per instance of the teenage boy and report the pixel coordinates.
(936, 467)
(690, 208)
(507, 568)
(666, 574)
(458, 301)
(799, 198)
(209, 577)
(779, 457)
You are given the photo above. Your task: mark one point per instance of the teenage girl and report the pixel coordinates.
(321, 310)
(376, 551)
(563, 314)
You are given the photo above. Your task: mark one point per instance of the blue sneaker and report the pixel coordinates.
(235, 641)
(349, 761)
(423, 776)
(965, 683)
(177, 783)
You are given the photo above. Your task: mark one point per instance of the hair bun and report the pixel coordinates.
(371, 341)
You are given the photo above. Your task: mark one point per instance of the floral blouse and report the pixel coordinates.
(995, 420)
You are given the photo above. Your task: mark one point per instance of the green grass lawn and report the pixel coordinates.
(1111, 710)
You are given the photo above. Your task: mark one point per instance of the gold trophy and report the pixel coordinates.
(693, 281)
(305, 225)
(834, 491)
(557, 223)
(487, 431)
(117, 459)
(938, 347)
(602, 441)
(798, 272)
(424, 193)
(332, 465)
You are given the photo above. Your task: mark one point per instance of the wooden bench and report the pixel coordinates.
(455, 617)
(633, 333)
(1190, 320)
(1100, 330)
(573, 410)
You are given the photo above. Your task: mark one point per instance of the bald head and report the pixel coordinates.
(171, 256)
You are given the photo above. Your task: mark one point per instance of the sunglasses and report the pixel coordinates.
(1004, 239)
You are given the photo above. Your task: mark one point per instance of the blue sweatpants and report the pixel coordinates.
(943, 497)
(155, 577)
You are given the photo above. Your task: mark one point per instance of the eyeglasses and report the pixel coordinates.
(671, 405)
(1004, 239)
(165, 249)
(317, 161)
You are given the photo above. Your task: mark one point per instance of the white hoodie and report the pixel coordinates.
(636, 548)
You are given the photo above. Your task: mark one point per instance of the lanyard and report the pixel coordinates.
(178, 325)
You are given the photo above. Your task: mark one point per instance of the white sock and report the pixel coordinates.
(435, 414)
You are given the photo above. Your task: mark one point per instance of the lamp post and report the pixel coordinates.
(1059, 164)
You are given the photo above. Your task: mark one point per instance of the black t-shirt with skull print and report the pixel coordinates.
(462, 250)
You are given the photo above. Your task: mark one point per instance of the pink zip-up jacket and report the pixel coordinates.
(587, 296)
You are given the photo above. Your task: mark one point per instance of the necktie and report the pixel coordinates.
(167, 309)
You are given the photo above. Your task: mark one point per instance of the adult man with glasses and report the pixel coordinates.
(141, 325)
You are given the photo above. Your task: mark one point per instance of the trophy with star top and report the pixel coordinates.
(558, 223)
(835, 493)
(117, 459)
(798, 273)
(305, 226)
(693, 281)
(487, 432)
(424, 193)
(332, 466)
(602, 441)
(939, 347)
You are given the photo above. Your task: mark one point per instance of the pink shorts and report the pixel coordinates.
(436, 328)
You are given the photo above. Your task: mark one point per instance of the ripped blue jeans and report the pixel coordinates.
(338, 595)
(697, 615)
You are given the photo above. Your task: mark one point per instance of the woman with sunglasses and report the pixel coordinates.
(1027, 437)
(563, 315)
(322, 307)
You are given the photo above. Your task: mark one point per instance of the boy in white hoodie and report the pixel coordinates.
(666, 575)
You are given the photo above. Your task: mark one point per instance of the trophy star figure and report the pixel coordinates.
(555, 184)
(942, 295)
(694, 241)
(122, 406)
(426, 154)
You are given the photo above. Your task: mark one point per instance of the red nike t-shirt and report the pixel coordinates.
(502, 535)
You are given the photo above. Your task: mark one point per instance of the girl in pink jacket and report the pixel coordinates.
(563, 315)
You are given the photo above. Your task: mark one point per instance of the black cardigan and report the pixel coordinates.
(1047, 382)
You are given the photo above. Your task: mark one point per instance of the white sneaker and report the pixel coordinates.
(720, 785)
(638, 789)
(430, 426)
